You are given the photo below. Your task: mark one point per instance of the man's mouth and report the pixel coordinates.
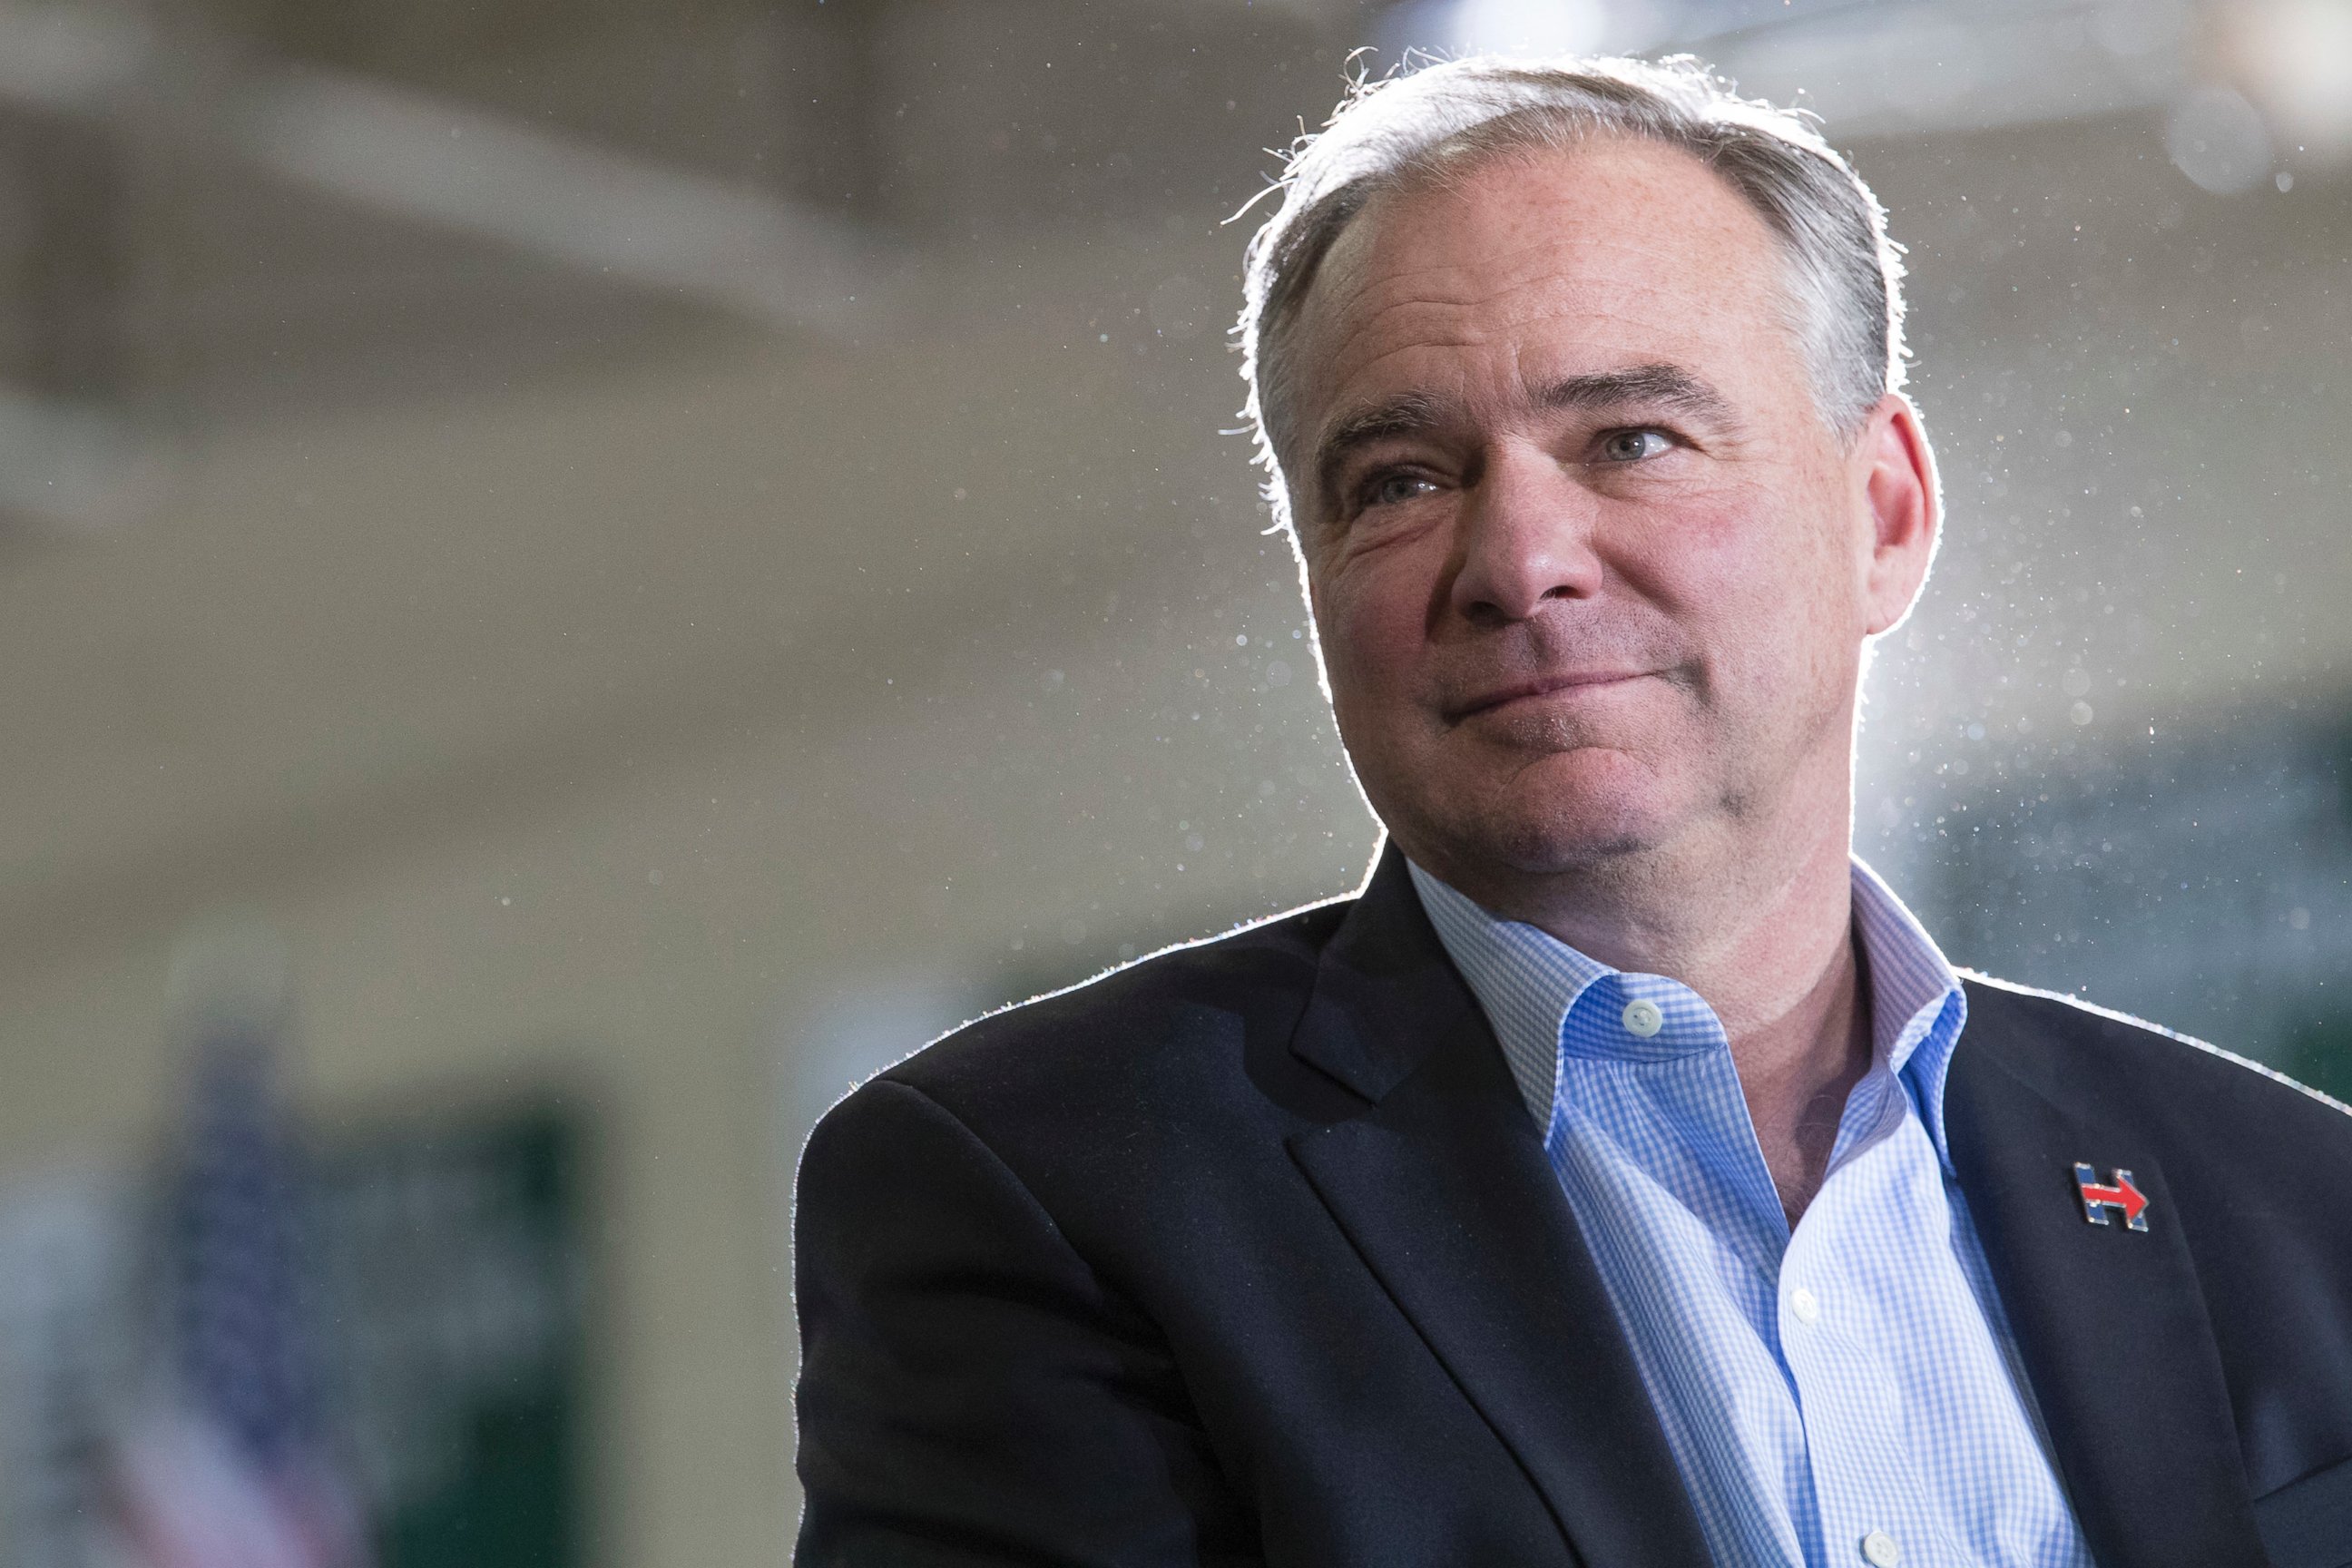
(1536, 687)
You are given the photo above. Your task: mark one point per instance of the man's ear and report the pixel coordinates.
(1897, 471)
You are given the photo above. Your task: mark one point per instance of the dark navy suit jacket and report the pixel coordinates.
(1250, 1253)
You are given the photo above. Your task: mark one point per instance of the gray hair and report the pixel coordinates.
(1844, 274)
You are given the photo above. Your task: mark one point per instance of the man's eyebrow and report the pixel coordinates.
(1660, 384)
(1416, 412)
(1407, 413)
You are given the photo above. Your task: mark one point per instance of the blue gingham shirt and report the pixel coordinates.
(1846, 1395)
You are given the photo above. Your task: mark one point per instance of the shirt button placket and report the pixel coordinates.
(1879, 1550)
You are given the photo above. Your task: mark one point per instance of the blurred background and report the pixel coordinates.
(577, 574)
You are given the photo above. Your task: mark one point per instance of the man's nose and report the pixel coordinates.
(1526, 538)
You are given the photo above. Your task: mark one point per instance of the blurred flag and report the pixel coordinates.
(229, 1467)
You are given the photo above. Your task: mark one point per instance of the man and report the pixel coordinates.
(1624, 1178)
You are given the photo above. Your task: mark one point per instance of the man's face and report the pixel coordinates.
(1592, 575)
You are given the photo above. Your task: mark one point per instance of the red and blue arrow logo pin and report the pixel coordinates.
(2118, 1195)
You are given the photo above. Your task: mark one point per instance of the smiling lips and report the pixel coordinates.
(1538, 687)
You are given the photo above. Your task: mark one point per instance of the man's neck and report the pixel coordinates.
(1764, 933)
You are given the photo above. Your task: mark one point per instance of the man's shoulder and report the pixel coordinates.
(2070, 1049)
(1157, 1024)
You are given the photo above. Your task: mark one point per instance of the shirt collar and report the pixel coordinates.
(1527, 980)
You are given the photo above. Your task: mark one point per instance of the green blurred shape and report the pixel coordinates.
(2319, 1053)
(430, 1217)
(512, 1505)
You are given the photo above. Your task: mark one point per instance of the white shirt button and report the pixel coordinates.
(1880, 1548)
(1808, 1308)
(1642, 1019)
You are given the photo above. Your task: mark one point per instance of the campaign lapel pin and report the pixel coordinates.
(2117, 1193)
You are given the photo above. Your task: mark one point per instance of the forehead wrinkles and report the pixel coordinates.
(1500, 356)
(1614, 237)
(1494, 343)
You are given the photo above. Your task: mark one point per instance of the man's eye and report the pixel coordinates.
(1632, 445)
(1389, 490)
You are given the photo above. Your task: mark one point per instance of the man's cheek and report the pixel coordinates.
(1363, 636)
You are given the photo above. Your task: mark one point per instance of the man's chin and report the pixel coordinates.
(1553, 846)
(1550, 837)
(1568, 811)
(1571, 810)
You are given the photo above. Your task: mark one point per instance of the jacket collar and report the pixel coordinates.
(1442, 1188)
(2111, 1323)
(1385, 994)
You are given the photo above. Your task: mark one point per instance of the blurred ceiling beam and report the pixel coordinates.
(76, 466)
(72, 459)
(585, 206)
(69, 60)
(1870, 69)
(1931, 65)
(560, 198)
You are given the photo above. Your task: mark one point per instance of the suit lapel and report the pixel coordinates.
(2110, 1323)
(1445, 1191)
